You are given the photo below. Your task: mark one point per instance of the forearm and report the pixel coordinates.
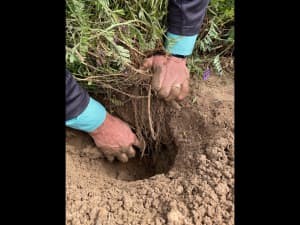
(185, 18)
(82, 112)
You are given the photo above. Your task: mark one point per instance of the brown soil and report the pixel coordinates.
(185, 177)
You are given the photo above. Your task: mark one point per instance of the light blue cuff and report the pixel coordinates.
(90, 119)
(180, 45)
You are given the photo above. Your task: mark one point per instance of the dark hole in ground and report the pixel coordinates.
(155, 162)
(159, 157)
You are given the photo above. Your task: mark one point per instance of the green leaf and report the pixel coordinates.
(217, 65)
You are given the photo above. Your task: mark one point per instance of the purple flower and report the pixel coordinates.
(206, 74)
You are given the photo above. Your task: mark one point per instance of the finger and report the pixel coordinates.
(174, 93)
(184, 90)
(158, 77)
(109, 153)
(130, 152)
(148, 63)
(175, 105)
(122, 157)
(110, 158)
(164, 91)
(167, 81)
(137, 143)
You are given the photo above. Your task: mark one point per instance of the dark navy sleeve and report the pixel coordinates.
(185, 17)
(77, 98)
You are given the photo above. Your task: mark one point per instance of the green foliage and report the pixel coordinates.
(217, 64)
(216, 38)
(100, 33)
(105, 38)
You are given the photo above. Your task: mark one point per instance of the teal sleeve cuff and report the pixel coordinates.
(90, 119)
(180, 45)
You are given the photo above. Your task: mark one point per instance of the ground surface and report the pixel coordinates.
(189, 181)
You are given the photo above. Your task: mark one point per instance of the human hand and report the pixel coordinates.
(170, 76)
(115, 139)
